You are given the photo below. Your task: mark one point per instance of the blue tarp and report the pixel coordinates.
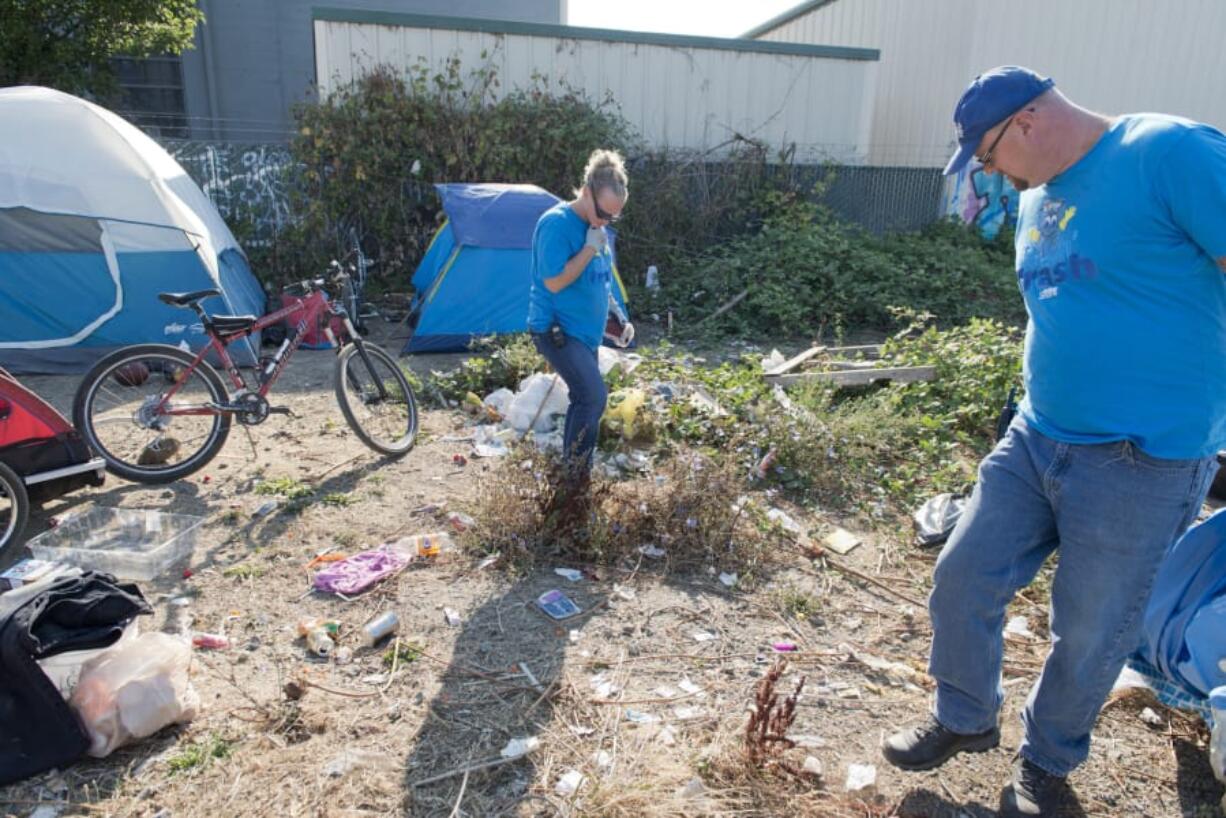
(1185, 621)
(475, 276)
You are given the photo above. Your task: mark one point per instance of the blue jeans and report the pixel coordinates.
(1112, 511)
(576, 362)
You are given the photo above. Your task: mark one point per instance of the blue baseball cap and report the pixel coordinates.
(992, 97)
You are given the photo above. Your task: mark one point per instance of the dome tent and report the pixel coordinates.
(95, 220)
(475, 276)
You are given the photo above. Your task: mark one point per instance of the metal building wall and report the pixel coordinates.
(679, 92)
(1115, 56)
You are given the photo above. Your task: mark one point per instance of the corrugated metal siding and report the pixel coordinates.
(1114, 56)
(680, 97)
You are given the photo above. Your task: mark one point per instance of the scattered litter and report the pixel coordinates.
(853, 623)
(694, 788)
(573, 636)
(318, 635)
(773, 361)
(861, 778)
(840, 541)
(785, 647)
(424, 546)
(602, 686)
(665, 692)
(452, 616)
(935, 519)
(210, 641)
(728, 579)
(690, 688)
(812, 766)
(460, 522)
(499, 401)
(639, 717)
(809, 742)
(540, 397)
(581, 731)
(1019, 626)
(181, 601)
(459, 460)
(488, 561)
(380, 627)
(763, 468)
(569, 573)
(784, 520)
(604, 761)
(350, 760)
(343, 656)
(517, 747)
(667, 736)
(266, 508)
(623, 593)
(703, 636)
(45, 811)
(652, 551)
(557, 605)
(1151, 718)
(569, 784)
(896, 673)
(686, 712)
(357, 573)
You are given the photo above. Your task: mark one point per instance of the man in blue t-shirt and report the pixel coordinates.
(1121, 260)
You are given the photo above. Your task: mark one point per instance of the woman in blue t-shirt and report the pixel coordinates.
(571, 295)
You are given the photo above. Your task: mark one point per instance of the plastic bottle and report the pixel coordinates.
(424, 545)
(653, 278)
(318, 634)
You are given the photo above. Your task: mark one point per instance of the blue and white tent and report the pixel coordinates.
(96, 219)
(474, 278)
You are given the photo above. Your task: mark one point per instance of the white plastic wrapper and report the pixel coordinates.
(540, 396)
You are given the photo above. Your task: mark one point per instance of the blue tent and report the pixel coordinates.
(474, 278)
(95, 220)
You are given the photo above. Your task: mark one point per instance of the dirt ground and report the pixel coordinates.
(364, 734)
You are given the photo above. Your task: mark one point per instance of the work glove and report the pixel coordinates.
(596, 239)
(627, 335)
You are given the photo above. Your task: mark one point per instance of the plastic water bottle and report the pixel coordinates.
(425, 546)
(653, 278)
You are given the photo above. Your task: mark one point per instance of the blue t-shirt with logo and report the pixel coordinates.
(582, 307)
(1117, 260)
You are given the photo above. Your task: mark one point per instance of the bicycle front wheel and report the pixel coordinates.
(376, 399)
(14, 509)
(148, 413)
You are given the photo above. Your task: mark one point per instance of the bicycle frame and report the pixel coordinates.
(313, 308)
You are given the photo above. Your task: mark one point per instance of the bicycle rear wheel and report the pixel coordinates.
(376, 399)
(119, 409)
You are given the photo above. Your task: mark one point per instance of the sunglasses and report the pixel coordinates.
(987, 157)
(601, 213)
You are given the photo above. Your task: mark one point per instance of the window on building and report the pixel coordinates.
(152, 95)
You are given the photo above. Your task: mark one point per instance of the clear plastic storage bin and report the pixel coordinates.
(129, 543)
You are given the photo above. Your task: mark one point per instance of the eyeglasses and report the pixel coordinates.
(601, 213)
(987, 157)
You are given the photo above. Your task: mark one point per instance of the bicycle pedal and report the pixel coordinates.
(281, 410)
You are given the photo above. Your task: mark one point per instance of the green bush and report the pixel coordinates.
(504, 362)
(370, 153)
(807, 273)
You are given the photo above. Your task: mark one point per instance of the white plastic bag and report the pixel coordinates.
(133, 690)
(1217, 739)
(540, 396)
(500, 401)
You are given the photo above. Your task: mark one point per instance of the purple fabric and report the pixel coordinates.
(357, 573)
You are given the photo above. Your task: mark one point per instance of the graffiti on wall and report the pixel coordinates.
(249, 184)
(986, 201)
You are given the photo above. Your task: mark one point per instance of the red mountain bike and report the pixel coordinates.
(156, 413)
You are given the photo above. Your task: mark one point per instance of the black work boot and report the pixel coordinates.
(930, 745)
(1032, 792)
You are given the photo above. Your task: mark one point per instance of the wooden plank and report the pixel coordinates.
(735, 300)
(795, 361)
(859, 377)
(868, 350)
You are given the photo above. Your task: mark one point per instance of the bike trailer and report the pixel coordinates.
(43, 448)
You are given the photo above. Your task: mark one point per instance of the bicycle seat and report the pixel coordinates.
(226, 324)
(186, 299)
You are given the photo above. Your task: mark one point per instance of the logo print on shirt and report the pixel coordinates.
(1050, 241)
